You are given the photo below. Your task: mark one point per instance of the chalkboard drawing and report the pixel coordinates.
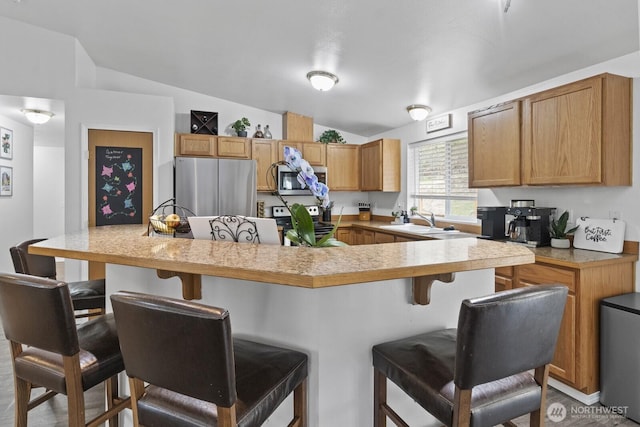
(118, 199)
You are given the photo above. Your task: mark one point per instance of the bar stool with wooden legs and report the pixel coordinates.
(480, 373)
(50, 351)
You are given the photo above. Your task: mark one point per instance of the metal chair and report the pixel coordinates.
(233, 228)
(198, 374)
(86, 294)
(49, 350)
(478, 374)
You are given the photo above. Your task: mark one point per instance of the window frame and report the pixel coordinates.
(412, 194)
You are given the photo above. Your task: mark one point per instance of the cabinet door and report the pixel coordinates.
(380, 165)
(263, 151)
(236, 148)
(195, 145)
(343, 167)
(563, 135)
(494, 146)
(315, 153)
(564, 364)
(295, 144)
(344, 235)
(384, 238)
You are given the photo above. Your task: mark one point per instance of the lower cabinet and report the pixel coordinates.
(344, 235)
(576, 360)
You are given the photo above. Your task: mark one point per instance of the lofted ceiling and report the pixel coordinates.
(388, 54)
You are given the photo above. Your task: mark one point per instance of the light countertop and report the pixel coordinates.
(295, 266)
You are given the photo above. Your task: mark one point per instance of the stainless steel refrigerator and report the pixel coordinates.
(215, 186)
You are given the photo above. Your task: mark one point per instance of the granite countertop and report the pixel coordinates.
(295, 266)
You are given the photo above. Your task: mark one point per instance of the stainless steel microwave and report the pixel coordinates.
(288, 184)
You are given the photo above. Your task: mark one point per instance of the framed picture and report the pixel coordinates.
(439, 123)
(6, 143)
(6, 181)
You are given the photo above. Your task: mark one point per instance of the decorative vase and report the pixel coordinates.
(560, 243)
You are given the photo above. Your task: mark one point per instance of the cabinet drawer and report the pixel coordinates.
(544, 274)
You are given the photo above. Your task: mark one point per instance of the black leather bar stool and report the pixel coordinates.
(477, 374)
(85, 294)
(49, 350)
(198, 374)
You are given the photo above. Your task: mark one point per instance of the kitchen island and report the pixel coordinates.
(332, 303)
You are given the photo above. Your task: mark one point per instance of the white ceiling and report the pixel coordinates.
(387, 54)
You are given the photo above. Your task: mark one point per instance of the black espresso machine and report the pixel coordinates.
(530, 225)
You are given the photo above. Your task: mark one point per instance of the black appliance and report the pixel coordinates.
(493, 221)
(283, 219)
(530, 225)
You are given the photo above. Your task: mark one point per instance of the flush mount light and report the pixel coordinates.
(418, 111)
(37, 117)
(322, 80)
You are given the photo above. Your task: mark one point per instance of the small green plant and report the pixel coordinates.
(413, 210)
(331, 136)
(241, 125)
(558, 229)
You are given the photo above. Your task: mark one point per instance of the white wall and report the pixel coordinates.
(16, 211)
(48, 191)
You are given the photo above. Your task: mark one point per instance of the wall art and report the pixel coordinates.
(6, 143)
(6, 181)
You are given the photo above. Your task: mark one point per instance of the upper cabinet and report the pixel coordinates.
(575, 134)
(263, 151)
(380, 165)
(579, 133)
(313, 152)
(188, 144)
(494, 146)
(343, 167)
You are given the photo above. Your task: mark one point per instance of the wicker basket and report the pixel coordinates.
(161, 223)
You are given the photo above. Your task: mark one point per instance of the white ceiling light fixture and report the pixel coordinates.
(322, 80)
(418, 111)
(37, 117)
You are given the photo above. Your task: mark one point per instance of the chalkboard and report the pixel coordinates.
(118, 185)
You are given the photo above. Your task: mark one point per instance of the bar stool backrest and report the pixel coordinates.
(177, 345)
(35, 265)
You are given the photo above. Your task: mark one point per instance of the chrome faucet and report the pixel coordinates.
(431, 221)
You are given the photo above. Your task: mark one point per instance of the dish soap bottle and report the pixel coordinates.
(267, 132)
(258, 133)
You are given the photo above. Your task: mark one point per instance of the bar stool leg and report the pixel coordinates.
(379, 398)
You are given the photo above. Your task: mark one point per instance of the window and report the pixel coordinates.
(439, 178)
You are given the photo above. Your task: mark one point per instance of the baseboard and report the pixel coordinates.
(587, 399)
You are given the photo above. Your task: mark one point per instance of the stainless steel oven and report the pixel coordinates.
(288, 184)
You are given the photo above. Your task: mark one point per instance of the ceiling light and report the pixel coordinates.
(418, 112)
(37, 117)
(322, 80)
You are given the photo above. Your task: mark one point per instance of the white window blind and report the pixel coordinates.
(439, 178)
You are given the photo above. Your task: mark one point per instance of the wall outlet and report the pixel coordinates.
(615, 214)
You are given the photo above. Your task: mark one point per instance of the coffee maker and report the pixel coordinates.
(530, 225)
(492, 221)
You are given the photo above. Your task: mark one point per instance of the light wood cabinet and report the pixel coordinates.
(383, 237)
(297, 127)
(360, 236)
(576, 360)
(494, 146)
(313, 152)
(343, 167)
(380, 165)
(344, 234)
(187, 144)
(579, 133)
(235, 148)
(504, 277)
(263, 151)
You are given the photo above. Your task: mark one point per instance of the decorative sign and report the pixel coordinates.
(118, 185)
(604, 235)
(439, 123)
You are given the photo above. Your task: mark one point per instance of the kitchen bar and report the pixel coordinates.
(336, 302)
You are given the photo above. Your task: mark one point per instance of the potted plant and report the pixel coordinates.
(240, 126)
(331, 136)
(558, 231)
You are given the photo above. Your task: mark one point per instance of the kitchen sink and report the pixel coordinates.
(422, 230)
